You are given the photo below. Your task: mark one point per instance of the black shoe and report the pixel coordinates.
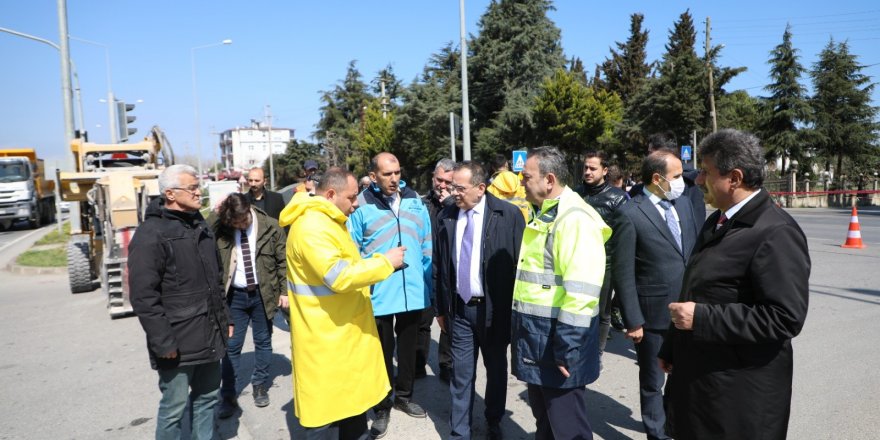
(380, 426)
(411, 409)
(494, 432)
(227, 407)
(445, 374)
(261, 396)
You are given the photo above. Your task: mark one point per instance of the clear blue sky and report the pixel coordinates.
(285, 52)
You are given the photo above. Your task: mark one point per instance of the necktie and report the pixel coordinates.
(671, 222)
(248, 262)
(721, 221)
(464, 259)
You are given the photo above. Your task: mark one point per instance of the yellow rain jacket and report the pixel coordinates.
(338, 367)
(506, 186)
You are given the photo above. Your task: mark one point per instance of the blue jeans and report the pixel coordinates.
(175, 384)
(246, 309)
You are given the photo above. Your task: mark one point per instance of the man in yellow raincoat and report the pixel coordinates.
(338, 367)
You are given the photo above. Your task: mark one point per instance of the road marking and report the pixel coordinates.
(22, 238)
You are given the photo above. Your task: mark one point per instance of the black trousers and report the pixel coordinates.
(560, 413)
(406, 326)
(444, 356)
(352, 428)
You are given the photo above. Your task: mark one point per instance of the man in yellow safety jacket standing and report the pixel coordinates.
(554, 344)
(338, 367)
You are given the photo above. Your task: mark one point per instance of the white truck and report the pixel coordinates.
(25, 193)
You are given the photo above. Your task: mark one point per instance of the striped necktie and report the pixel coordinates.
(671, 222)
(248, 262)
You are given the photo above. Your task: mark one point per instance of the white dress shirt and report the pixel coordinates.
(477, 243)
(239, 279)
(656, 201)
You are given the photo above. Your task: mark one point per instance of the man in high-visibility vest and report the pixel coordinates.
(554, 344)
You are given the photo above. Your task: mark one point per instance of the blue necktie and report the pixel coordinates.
(464, 259)
(671, 223)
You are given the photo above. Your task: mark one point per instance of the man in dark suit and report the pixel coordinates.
(269, 202)
(744, 297)
(477, 244)
(652, 241)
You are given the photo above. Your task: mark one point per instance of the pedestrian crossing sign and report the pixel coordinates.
(686, 153)
(519, 161)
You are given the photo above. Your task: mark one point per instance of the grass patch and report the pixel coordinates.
(54, 237)
(56, 257)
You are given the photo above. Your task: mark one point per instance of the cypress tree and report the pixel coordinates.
(844, 116)
(786, 108)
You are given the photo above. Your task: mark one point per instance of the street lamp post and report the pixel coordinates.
(196, 98)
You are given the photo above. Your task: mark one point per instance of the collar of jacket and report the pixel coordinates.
(748, 214)
(373, 195)
(190, 219)
(589, 190)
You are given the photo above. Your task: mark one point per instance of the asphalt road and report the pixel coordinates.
(70, 372)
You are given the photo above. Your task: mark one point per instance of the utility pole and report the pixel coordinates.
(465, 110)
(271, 153)
(64, 46)
(711, 83)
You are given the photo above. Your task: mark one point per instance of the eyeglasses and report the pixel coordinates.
(458, 188)
(189, 189)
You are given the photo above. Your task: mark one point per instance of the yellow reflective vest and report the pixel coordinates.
(556, 294)
(338, 367)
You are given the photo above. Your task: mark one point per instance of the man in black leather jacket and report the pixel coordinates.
(605, 198)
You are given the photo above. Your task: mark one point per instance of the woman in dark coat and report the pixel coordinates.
(744, 297)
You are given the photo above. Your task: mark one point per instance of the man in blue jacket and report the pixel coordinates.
(392, 215)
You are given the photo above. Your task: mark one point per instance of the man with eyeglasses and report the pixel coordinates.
(477, 244)
(269, 202)
(177, 294)
(436, 199)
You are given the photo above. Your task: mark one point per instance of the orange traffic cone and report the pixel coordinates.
(854, 235)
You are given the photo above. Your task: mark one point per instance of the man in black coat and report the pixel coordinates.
(269, 202)
(476, 248)
(652, 240)
(177, 294)
(436, 199)
(744, 297)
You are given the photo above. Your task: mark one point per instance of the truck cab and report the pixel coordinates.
(24, 192)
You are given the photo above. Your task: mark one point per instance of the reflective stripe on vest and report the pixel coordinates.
(552, 312)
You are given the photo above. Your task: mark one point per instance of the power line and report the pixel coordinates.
(751, 20)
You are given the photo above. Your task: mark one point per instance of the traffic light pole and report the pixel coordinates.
(75, 224)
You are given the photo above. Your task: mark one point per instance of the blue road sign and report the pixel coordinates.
(686, 153)
(519, 161)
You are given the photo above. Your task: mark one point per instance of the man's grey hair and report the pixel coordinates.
(170, 178)
(551, 161)
(446, 164)
(732, 149)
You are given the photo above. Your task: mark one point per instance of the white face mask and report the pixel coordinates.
(676, 188)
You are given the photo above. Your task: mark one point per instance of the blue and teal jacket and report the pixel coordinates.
(375, 229)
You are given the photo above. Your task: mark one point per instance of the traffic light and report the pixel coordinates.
(123, 119)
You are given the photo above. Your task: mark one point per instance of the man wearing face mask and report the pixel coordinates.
(652, 241)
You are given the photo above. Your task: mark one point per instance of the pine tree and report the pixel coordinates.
(422, 122)
(675, 100)
(517, 48)
(627, 68)
(845, 124)
(340, 115)
(786, 109)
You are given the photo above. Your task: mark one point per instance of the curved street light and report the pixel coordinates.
(225, 42)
